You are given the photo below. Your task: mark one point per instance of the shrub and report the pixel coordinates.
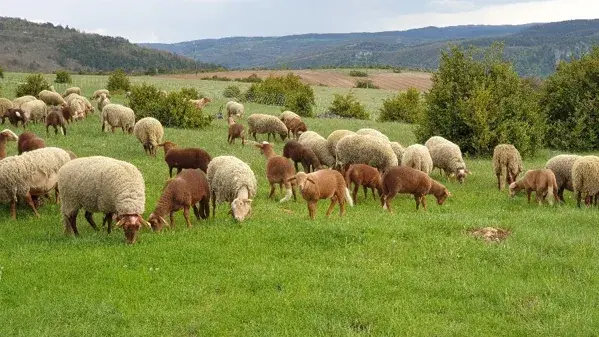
(34, 83)
(404, 107)
(118, 81)
(232, 91)
(216, 78)
(1, 73)
(358, 73)
(191, 93)
(63, 77)
(172, 110)
(348, 106)
(253, 78)
(284, 91)
(365, 84)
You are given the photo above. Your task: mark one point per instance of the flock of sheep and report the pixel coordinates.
(366, 158)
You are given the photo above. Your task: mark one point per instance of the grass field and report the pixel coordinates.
(411, 273)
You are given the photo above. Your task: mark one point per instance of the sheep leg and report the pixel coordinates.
(71, 222)
(560, 194)
(112, 129)
(179, 170)
(64, 130)
(365, 191)
(196, 211)
(423, 198)
(417, 198)
(170, 171)
(355, 192)
(254, 134)
(90, 220)
(55, 130)
(213, 203)
(13, 209)
(499, 181)
(47, 126)
(31, 204)
(528, 192)
(333, 202)
(108, 220)
(186, 215)
(272, 190)
(578, 198)
(373, 193)
(172, 218)
(312, 209)
(296, 167)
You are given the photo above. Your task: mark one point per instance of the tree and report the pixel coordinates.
(118, 81)
(406, 107)
(33, 85)
(63, 77)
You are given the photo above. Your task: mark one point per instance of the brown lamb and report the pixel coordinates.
(365, 176)
(403, 179)
(55, 120)
(6, 136)
(542, 182)
(299, 153)
(29, 141)
(67, 114)
(15, 116)
(235, 131)
(188, 158)
(295, 126)
(188, 189)
(278, 171)
(323, 184)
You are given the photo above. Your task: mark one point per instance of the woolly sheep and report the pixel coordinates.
(102, 102)
(98, 92)
(51, 98)
(72, 90)
(434, 141)
(149, 132)
(15, 116)
(418, 157)
(78, 109)
(318, 145)
(104, 185)
(35, 111)
(17, 102)
(117, 115)
(88, 107)
(372, 132)
(5, 104)
(447, 156)
(287, 115)
(585, 178)
(561, 165)
(508, 157)
(233, 181)
(365, 149)
(234, 109)
(334, 138)
(261, 123)
(398, 150)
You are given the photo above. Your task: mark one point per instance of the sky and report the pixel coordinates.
(185, 20)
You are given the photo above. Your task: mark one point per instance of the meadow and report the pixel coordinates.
(412, 273)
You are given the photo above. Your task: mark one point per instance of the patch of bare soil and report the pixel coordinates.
(490, 234)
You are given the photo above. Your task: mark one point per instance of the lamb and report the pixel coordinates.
(403, 179)
(56, 120)
(5, 104)
(184, 158)
(323, 184)
(299, 153)
(29, 141)
(6, 136)
(296, 127)
(117, 115)
(318, 145)
(287, 115)
(365, 176)
(261, 123)
(104, 185)
(418, 157)
(234, 109)
(35, 111)
(15, 116)
(561, 166)
(585, 179)
(447, 156)
(233, 181)
(149, 132)
(103, 101)
(188, 189)
(72, 90)
(365, 149)
(200, 103)
(67, 114)
(372, 132)
(334, 138)
(99, 92)
(508, 157)
(398, 150)
(541, 181)
(17, 102)
(278, 171)
(51, 98)
(31, 175)
(235, 131)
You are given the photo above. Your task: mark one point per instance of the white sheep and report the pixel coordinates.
(261, 123)
(447, 157)
(5, 104)
(418, 157)
(149, 132)
(372, 132)
(234, 109)
(365, 149)
(506, 156)
(51, 98)
(398, 150)
(561, 165)
(78, 107)
(72, 90)
(117, 115)
(287, 115)
(103, 101)
(334, 138)
(17, 102)
(35, 111)
(585, 179)
(99, 92)
(318, 145)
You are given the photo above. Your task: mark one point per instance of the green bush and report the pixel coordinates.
(191, 93)
(358, 73)
(34, 83)
(253, 78)
(216, 78)
(365, 84)
(172, 110)
(480, 103)
(63, 77)
(232, 91)
(118, 81)
(348, 106)
(406, 107)
(283, 91)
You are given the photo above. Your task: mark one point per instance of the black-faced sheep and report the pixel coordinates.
(187, 158)
(403, 179)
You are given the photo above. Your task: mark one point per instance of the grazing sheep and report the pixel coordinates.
(585, 179)
(323, 184)
(17, 102)
(102, 185)
(372, 132)
(51, 98)
(561, 166)
(15, 116)
(200, 103)
(435, 140)
(287, 115)
(30, 175)
(6, 136)
(56, 120)
(35, 111)
(149, 132)
(233, 181)
(334, 138)
(318, 145)
(29, 141)
(508, 157)
(260, 123)
(87, 106)
(418, 157)
(188, 189)
(541, 181)
(116, 116)
(365, 176)
(234, 109)
(103, 101)
(296, 127)
(5, 104)
(447, 157)
(72, 90)
(99, 92)
(67, 114)
(365, 149)
(398, 150)
(299, 153)
(235, 131)
(188, 158)
(403, 179)
(79, 110)
(278, 171)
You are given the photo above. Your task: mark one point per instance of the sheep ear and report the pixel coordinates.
(144, 222)
(291, 179)
(468, 172)
(120, 222)
(164, 221)
(249, 201)
(449, 194)
(310, 180)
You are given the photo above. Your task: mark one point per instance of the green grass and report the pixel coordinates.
(412, 273)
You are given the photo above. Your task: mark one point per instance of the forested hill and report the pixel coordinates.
(535, 49)
(28, 46)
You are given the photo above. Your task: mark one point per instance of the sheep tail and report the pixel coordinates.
(350, 201)
(288, 195)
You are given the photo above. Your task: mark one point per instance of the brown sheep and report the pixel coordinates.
(200, 103)
(296, 127)
(541, 181)
(323, 184)
(299, 153)
(67, 114)
(188, 158)
(56, 120)
(235, 131)
(403, 179)
(188, 189)
(15, 116)
(365, 176)
(278, 171)
(6, 136)
(29, 141)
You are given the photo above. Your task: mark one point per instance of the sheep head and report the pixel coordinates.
(514, 189)
(157, 222)
(241, 208)
(283, 135)
(167, 146)
(8, 135)
(461, 175)
(265, 149)
(131, 223)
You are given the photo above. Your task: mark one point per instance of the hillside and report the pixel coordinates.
(28, 46)
(534, 48)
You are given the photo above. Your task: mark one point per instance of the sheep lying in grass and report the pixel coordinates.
(271, 125)
(403, 179)
(506, 156)
(585, 179)
(418, 157)
(278, 171)
(298, 153)
(542, 182)
(561, 165)
(116, 116)
(233, 181)
(323, 184)
(365, 149)
(29, 141)
(6, 136)
(235, 131)
(149, 132)
(365, 176)
(186, 158)
(318, 145)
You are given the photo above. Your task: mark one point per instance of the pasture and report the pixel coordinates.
(413, 273)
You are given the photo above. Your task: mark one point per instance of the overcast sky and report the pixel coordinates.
(184, 20)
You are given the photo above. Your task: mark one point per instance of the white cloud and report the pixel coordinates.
(452, 5)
